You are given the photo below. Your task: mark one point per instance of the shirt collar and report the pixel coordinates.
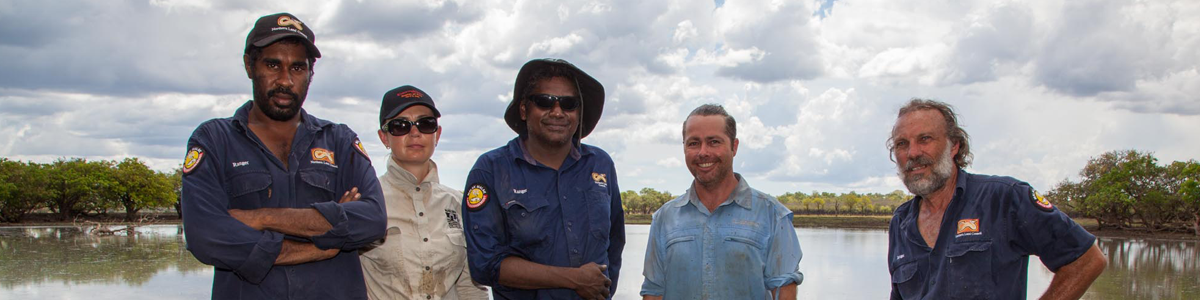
(398, 175)
(741, 195)
(241, 117)
(516, 148)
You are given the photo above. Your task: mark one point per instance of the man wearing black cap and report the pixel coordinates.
(276, 199)
(543, 213)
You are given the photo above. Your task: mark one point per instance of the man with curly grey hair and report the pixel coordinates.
(966, 236)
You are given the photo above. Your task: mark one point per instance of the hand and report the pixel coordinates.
(351, 195)
(246, 217)
(590, 282)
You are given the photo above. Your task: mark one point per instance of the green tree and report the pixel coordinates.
(1186, 177)
(134, 186)
(73, 185)
(21, 189)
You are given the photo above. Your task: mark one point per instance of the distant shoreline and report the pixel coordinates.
(803, 221)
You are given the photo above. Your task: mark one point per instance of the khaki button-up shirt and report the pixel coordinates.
(424, 255)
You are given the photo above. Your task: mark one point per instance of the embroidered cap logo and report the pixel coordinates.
(288, 21)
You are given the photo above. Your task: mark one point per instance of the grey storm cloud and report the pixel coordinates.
(785, 37)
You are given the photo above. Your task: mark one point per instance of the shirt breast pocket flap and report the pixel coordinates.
(246, 183)
(963, 248)
(681, 239)
(904, 272)
(744, 240)
(319, 179)
(456, 238)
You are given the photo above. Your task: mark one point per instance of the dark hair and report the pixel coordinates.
(713, 110)
(254, 53)
(954, 131)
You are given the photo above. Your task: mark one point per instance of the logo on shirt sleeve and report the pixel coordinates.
(192, 159)
(1041, 202)
(477, 196)
(323, 156)
(601, 179)
(358, 145)
(967, 227)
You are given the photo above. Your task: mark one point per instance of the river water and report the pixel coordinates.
(67, 263)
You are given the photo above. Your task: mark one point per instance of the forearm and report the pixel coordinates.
(294, 253)
(519, 273)
(786, 292)
(1072, 280)
(302, 222)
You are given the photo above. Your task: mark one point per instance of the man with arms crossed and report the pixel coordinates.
(276, 199)
(721, 239)
(543, 213)
(969, 236)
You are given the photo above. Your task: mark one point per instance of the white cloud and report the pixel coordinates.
(1041, 85)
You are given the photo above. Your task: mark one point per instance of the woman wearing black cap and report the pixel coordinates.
(424, 254)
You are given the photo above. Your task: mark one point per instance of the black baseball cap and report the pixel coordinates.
(591, 93)
(399, 99)
(271, 28)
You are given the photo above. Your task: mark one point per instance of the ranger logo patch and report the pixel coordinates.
(601, 179)
(477, 196)
(1041, 202)
(192, 159)
(967, 227)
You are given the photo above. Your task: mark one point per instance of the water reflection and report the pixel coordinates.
(55, 262)
(66, 262)
(1145, 269)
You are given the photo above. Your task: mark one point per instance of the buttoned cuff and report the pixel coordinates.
(785, 279)
(262, 258)
(335, 238)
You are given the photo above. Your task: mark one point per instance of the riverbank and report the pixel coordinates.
(803, 221)
(882, 221)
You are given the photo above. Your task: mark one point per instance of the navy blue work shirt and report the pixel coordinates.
(515, 206)
(229, 168)
(988, 231)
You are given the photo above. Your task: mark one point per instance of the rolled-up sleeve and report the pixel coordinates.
(212, 235)
(786, 247)
(654, 268)
(358, 223)
(487, 239)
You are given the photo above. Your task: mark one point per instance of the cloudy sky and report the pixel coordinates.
(1041, 85)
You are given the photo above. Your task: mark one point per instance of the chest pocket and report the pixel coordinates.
(964, 262)
(527, 219)
(905, 279)
(249, 190)
(317, 186)
(599, 207)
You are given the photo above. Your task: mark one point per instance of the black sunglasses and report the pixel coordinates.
(400, 127)
(567, 103)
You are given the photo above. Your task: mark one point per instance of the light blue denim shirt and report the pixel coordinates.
(744, 249)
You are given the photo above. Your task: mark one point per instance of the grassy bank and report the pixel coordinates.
(881, 222)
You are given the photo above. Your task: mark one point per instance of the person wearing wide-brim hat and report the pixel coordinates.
(542, 214)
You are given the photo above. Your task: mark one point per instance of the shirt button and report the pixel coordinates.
(426, 239)
(418, 189)
(576, 251)
(428, 297)
(426, 268)
(420, 214)
(569, 223)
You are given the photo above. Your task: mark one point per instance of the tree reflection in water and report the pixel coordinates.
(40, 255)
(1148, 269)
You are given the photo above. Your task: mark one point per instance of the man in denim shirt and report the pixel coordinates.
(721, 239)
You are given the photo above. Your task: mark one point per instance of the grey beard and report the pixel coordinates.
(925, 185)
